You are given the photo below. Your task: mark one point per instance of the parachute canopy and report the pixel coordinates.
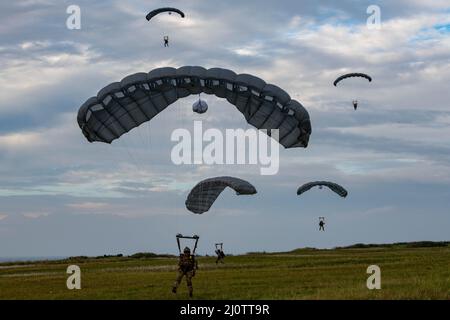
(121, 106)
(351, 75)
(203, 195)
(333, 186)
(155, 12)
(200, 106)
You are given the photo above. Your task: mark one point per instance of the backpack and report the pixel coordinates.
(186, 263)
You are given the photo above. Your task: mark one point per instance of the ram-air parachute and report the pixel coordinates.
(352, 75)
(155, 12)
(203, 195)
(122, 106)
(331, 185)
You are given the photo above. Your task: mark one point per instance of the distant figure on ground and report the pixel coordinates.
(187, 265)
(166, 41)
(220, 256)
(355, 104)
(321, 225)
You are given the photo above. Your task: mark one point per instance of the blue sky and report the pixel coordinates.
(61, 196)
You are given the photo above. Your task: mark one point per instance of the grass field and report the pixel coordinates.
(406, 273)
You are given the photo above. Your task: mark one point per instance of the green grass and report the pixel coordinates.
(407, 273)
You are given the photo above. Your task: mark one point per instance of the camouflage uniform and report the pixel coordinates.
(186, 267)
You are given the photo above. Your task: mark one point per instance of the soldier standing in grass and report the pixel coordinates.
(187, 265)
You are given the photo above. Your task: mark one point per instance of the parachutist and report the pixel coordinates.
(322, 225)
(219, 252)
(352, 75)
(200, 106)
(187, 265)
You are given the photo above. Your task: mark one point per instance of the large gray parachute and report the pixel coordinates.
(203, 195)
(333, 186)
(122, 106)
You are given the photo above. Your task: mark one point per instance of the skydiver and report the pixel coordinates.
(322, 225)
(355, 104)
(187, 265)
(220, 255)
(166, 41)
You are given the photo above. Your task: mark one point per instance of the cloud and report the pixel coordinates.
(19, 140)
(381, 211)
(431, 135)
(392, 154)
(35, 215)
(89, 205)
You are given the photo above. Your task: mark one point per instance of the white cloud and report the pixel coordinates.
(413, 133)
(89, 205)
(35, 215)
(20, 140)
(44, 158)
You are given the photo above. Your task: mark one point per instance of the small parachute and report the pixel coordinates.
(331, 185)
(352, 75)
(203, 195)
(200, 106)
(155, 12)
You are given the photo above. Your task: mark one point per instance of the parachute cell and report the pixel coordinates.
(331, 185)
(153, 13)
(122, 106)
(203, 195)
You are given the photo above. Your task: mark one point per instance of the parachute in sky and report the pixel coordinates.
(203, 195)
(121, 106)
(351, 75)
(155, 12)
(200, 106)
(333, 186)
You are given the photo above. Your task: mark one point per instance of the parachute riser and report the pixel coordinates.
(195, 237)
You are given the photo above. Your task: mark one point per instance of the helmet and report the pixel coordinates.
(187, 250)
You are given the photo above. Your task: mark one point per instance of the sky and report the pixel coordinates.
(63, 196)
